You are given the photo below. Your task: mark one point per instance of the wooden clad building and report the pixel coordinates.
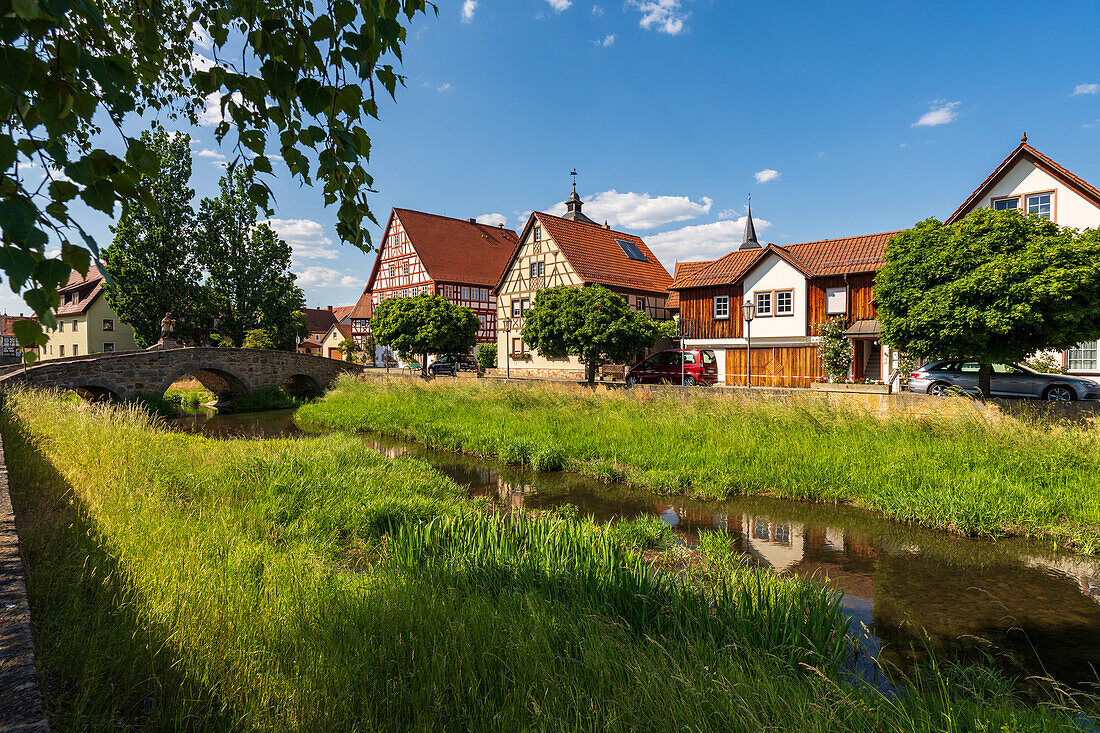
(794, 288)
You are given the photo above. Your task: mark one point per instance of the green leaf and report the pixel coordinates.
(29, 333)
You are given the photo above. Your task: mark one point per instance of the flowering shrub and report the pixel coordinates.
(849, 380)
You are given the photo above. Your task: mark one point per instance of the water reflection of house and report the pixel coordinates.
(513, 495)
(1082, 571)
(779, 545)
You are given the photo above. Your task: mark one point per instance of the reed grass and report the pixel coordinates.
(960, 471)
(180, 582)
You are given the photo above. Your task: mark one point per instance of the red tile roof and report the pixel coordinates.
(319, 320)
(86, 288)
(457, 250)
(1040, 161)
(342, 311)
(683, 270)
(848, 255)
(7, 322)
(596, 257)
(343, 328)
(363, 308)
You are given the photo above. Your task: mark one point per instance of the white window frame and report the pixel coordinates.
(758, 298)
(1039, 205)
(110, 350)
(538, 234)
(108, 324)
(790, 310)
(517, 306)
(1092, 347)
(833, 294)
(1015, 199)
(721, 307)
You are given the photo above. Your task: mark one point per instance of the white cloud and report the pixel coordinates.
(1086, 89)
(208, 153)
(446, 87)
(559, 5)
(640, 210)
(211, 114)
(200, 37)
(201, 63)
(327, 277)
(729, 214)
(597, 11)
(608, 40)
(306, 237)
(664, 16)
(702, 241)
(940, 112)
(492, 219)
(768, 174)
(468, 8)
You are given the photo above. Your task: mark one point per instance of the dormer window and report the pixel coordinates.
(1039, 204)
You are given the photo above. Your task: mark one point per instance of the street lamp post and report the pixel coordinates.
(748, 312)
(507, 323)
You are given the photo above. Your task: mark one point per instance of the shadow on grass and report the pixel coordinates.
(99, 663)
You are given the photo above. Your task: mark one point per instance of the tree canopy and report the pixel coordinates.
(152, 261)
(591, 323)
(299, 73)
(424, 324)
(994, 286)
(249, 267)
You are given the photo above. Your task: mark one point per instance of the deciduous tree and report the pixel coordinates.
(249, 267)
(152, 261)
(994, 286)
(424, 324)
(295, 71)
(591, 323)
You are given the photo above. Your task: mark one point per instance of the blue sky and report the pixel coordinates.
(840, 118)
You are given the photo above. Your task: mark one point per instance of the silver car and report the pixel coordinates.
(1007, 380)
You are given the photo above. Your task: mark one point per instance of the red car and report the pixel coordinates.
(666, 367)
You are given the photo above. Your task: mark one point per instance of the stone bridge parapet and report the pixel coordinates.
(227, 372)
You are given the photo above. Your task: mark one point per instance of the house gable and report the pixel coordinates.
(1073, 201)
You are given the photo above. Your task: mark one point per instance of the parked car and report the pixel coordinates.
(1007, 380)
(452, 364)
(696, 367)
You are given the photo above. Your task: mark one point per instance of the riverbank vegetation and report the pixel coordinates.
(957, 469)
(178, 581)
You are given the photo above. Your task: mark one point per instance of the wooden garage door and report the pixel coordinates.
(774, 366)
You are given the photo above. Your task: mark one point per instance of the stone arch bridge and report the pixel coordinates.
(227, 372)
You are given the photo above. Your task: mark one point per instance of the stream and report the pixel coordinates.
(1034, 610)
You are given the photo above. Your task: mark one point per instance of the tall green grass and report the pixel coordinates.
(960, 470)
(179, 582)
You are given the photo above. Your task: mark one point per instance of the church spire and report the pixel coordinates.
(749, 240)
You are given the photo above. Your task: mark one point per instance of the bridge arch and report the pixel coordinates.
(221, 382)
(95, 391)
(296, 382)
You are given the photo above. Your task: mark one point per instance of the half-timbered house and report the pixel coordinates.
(572, 250)
(422, 253)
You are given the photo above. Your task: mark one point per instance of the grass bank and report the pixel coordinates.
(958, 471)
(183, 582)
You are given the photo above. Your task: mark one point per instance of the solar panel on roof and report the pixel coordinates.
(631, 250)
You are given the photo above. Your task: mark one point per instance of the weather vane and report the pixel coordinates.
(574, 174)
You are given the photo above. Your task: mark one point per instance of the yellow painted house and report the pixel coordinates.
(86, 323)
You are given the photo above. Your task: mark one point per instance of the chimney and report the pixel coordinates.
(606, 225)
(472, 220)
(501, 225)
